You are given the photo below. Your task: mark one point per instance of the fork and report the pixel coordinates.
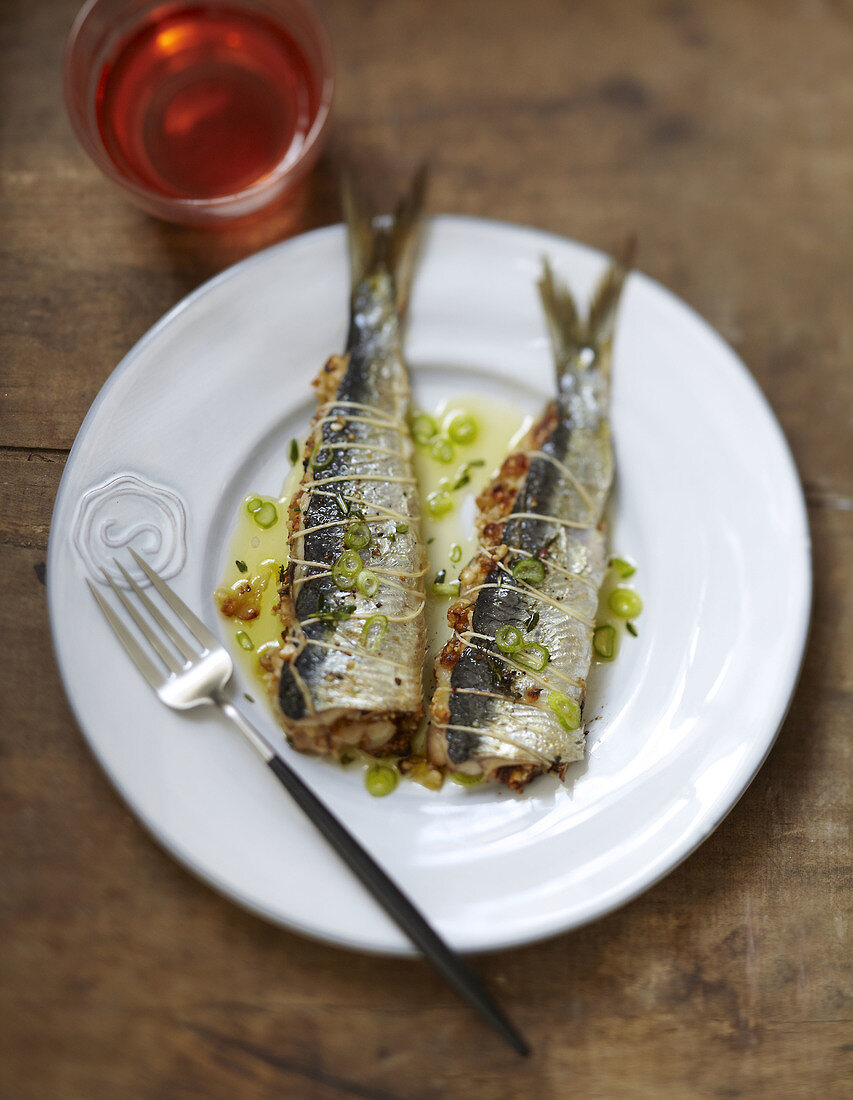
(196, 675)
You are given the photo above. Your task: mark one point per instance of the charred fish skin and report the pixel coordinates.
(513, 715)
(350, 668)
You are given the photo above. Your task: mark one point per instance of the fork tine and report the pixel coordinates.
(152, 674)
(190, 621)
(168, 659)
(157, 615)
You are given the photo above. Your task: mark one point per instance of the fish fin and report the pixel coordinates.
(404, 235)
(561, 313)
(605, 302)
(374, 246)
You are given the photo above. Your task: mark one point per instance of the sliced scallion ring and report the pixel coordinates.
(625, 603)
(439, 503)
(463, 428)
(529, 570)
(455, 553)
(367, 583)
(346, 569)
(466, 780)
(445, 588)
(380, 780)
(532, 656)
(509, 638)
(566, 710)
(604, 641)
(322, 457)
(424, 428)
(266, 516)
(441, 449)
(357, 536)
(254, 504)
(624, 568)
(244, 641)
(373, 632)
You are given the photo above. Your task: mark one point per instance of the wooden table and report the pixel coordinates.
(721, 134)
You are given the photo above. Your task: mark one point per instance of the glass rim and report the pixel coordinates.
(289, 165)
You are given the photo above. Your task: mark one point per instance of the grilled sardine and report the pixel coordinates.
(352, 595)
(511, 681)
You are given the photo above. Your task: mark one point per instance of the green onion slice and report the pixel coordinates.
(244, 641)
(466, 780)
(632, 630)
(463, 428)
(532, 656)
(439, 503)
(566, 710)
(441, 449)
(529, 570)
(367, 583)
(380, 780)
(357, 536)
(401, 528)
(346, 569)
(254, 504)
(456, 553)
(424, 428)
(509, 638)
(373, 632)
(624, 568)
(625, 603)
(604, 642)
(322, 457)
(266, 516)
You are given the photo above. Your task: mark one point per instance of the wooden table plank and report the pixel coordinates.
(718, 133)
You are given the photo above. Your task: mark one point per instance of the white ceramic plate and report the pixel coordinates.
(708, 502)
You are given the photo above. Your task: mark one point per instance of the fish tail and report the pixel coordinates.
(569, 333)
(564, 323)
(605, 302)
(383, 247)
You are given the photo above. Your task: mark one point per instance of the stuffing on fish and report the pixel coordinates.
(510, 682)
(352, 594)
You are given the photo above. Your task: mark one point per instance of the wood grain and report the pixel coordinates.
(719, 133)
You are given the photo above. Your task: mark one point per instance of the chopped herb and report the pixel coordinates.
(440, 575)
(531, 623)
(430, 541)
(334, 615)
(464, 474)
(631, 629)
(241, 565)
(248, 697)
(402, 528)
(294, 452)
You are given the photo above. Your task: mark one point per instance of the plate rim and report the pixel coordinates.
(690, 840)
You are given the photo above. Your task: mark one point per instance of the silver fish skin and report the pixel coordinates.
(334, 684)
(495, 713)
